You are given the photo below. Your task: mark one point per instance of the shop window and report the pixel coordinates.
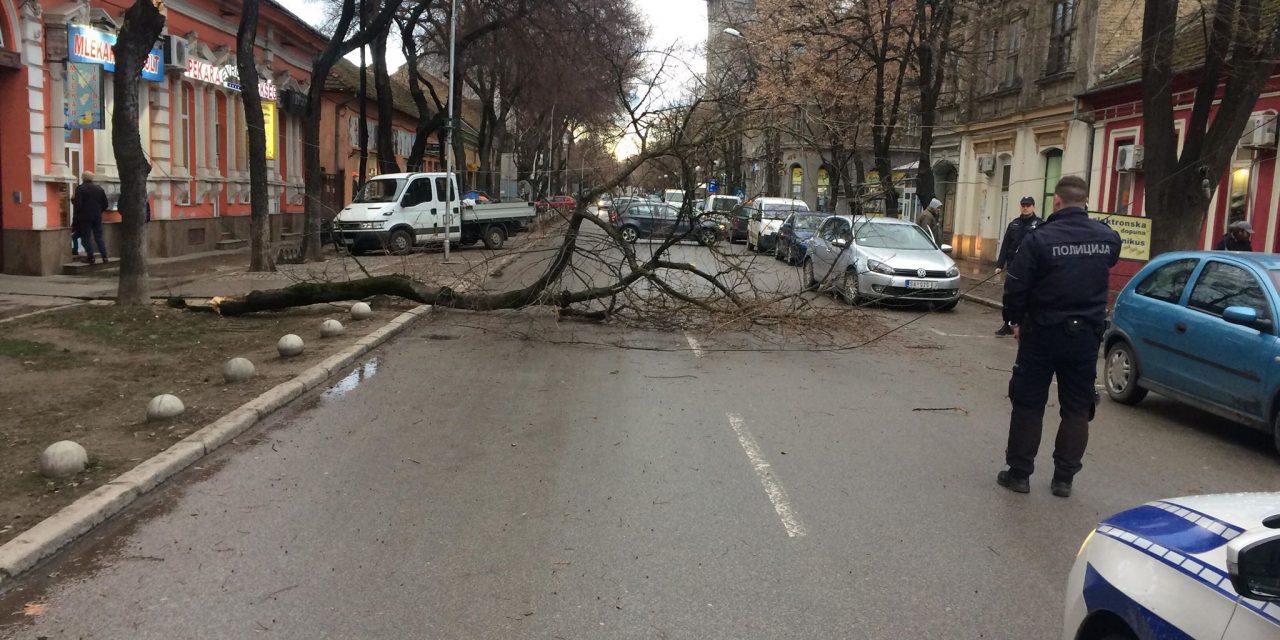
(1240, 186)
(824, 189)
(182, 141)
(1122, 199)
(797, 182)
(1052, 173)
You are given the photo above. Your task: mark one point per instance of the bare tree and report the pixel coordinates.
(260, 258)
(1242, 44)
(143, 22)
(933, 49)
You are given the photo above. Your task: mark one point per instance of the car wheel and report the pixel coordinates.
(400, 243)
(1121, 375)
(629, 234)
(849, 288)
(810, 282)
(777, 251)
(707, 237)
(494, 237)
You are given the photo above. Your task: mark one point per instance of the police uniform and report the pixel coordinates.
(1056, 292)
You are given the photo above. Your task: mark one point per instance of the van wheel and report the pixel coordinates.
(400, 243)
(1121, 374)
(494, 237)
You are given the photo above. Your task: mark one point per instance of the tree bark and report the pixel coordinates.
(143, 22)
(259, 222)
(936, 18)
(382, 84)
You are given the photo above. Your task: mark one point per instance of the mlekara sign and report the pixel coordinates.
(1135, 234)
(98, 47)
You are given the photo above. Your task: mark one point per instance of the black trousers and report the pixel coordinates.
(92, 230)
(1070, 352)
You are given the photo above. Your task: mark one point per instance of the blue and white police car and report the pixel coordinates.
(1204, 567)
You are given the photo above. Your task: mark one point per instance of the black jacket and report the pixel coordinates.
(1229, 243)
(1013, 238)
(1062, 271)
(90, 201)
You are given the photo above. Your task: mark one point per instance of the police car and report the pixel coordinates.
(1198, 567)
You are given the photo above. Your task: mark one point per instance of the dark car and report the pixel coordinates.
(659, 220)
(793, 236)
(739, 219)
(619, 204)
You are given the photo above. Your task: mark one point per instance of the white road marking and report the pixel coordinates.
(959, 335)
(693, 344)
(777, 495)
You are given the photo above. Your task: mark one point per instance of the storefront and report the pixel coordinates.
(193, 127)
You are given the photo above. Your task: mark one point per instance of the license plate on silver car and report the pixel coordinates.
(921, 284)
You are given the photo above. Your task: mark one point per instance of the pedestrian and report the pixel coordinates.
(1055, 296)
(928, 220)
(89, 203)
(1013, 235)
(1239, 237)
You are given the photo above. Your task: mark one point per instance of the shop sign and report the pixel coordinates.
(89, 45)
(228, 76)
(1135, 234)
(84, 96)
(269, 127)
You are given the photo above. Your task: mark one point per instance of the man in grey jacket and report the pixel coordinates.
(928, 220)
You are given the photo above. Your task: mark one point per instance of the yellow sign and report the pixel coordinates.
(269, 127)
(1135, 234)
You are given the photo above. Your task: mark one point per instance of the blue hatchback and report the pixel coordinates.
(1200, 327)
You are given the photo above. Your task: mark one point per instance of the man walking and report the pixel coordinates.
(1055, 297)
(1239, 237)
(928, 220)
(89, 202)
(1025, 222)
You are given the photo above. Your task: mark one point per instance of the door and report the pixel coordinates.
(1150, 315)
(450, 213)
(1226, 363)
(665, 218)
(825, 249)
(419, 208)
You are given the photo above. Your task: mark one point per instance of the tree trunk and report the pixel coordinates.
(143, 22)
(382, 83)
(455, 126)
(259, 223)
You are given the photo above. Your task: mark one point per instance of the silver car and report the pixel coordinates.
(864, 259)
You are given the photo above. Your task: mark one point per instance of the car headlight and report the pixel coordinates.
(371, 225)
(879, 267)
(953, 271)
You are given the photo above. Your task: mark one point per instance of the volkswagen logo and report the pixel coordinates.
(921, 272)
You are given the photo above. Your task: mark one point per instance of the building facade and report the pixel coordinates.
(56, 96)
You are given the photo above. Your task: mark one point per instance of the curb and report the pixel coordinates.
(982, 301)
(60, 529)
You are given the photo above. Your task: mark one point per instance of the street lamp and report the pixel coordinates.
(448, 132)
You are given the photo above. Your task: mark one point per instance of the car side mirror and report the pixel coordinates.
(1253, 562)
(947, 249)
(840, 242)
(1244, 316)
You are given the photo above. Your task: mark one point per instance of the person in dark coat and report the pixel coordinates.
(1026, 221)
(1239, 237)
(1055, 296)
(928, 220)
(89, 203)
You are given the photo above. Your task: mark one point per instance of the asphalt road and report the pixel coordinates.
(511, 476)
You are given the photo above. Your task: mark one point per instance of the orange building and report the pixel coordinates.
(56, 65)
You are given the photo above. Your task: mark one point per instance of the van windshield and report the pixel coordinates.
(772, 211)
(380, 190)
(723, 204)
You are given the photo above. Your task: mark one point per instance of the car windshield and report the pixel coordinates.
(380, 190)
(807, 223)
(770, 211)
(723, 204)
(883, 235)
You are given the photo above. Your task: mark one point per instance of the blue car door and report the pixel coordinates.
(1149, 317)
(1227, 363)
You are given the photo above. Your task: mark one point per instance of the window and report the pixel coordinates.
(832, 229)
(417, 193)
(1011, 77)
(1062, 27)
(1052, 174)
(1241, 180)
(992, 53)
(1122, 200)
(182, 150)
(797, 182)
(824, 189)
(1223, 285)
(440, 187)
(1168, 282)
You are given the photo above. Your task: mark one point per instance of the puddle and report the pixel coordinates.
(352, 380)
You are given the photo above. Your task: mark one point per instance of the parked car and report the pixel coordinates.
(620, 203)
(557, 202)
(865, 259)
(720, 204)
(794, 235)
(1200, 327)
(766, 218)
(650, 220)
(1197, 567)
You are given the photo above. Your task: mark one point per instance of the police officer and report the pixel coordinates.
(1026, 221)
(1055, 296)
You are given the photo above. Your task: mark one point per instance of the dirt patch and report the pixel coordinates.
(86, 374)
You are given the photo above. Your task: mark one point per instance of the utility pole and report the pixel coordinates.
(551, 145)
(448, 132)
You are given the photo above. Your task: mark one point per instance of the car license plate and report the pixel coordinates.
(921, 284)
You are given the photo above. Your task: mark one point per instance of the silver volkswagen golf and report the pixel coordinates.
(864, 259)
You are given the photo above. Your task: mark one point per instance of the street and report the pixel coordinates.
(509, 475)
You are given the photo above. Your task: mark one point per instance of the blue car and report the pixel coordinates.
(794, 234)
(1200, 327)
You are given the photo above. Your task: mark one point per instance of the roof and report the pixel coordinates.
(345, 78)
(470, 108)
(303, 23)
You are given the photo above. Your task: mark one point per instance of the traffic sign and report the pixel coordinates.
(712, 186)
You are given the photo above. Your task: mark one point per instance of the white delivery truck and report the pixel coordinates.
(400, 211)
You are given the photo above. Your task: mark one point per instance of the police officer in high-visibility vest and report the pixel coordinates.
(1055, 296)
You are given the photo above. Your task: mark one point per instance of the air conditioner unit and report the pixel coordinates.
(987, 164)
(1260, 132)
(175, 53)
(1129, 158)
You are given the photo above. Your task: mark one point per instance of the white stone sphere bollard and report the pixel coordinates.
(237, 370)
(163, 407)
(361, 311)
(330, 328)
(62, 459)
(289, 346)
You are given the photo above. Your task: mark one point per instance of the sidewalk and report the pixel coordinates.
(979, 284)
